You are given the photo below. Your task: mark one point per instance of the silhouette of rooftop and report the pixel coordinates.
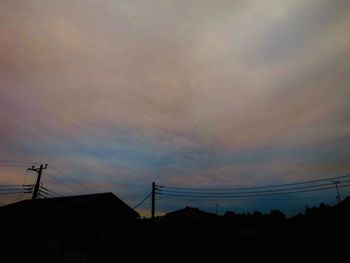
(79, 202)
(188, 214)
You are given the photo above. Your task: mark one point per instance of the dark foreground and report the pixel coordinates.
(86, 235)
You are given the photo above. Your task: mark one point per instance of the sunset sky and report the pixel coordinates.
(119, 93)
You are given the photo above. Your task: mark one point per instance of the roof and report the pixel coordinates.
(88, 203)
(188, 214)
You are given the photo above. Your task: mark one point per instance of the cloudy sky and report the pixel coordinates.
(119, 93)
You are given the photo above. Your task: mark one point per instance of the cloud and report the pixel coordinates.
(176, 91)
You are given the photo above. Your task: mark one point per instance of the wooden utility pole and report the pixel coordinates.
(39, 171)
(153, 199)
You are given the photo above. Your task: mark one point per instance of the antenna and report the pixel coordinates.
(336, 187)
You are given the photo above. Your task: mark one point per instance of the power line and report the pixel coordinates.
(53, 196)
(16, 162)
(11, 188)
(25, 181)
(71, 179)
(40, 194)
(54, 193)
(148, 196)
(13, 165)
(15, 189)
(253, 187)
(16, 192)
(249, 195)
(249, 192)
(49, 191)
(25, 177)
(15, 185)
(42, 187)
(46, 194)
(67, 186)
(63, 183)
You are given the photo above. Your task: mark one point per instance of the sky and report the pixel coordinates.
(116, 94)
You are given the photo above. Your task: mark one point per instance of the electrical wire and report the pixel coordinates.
(57, 171)
(251, 192)
(16, 161)
(253, 187)
(250, 195)
(142, 201)
(50, 191)
(14, 185)
(25, 177)
(63, 183)
(15, 189)
(17, 192)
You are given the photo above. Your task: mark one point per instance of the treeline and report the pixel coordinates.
(320, 229)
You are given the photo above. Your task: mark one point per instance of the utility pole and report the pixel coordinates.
(39, 171)
(153, 199)
(336, 187)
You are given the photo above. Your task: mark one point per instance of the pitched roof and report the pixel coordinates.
(188, 214)
(78, 202)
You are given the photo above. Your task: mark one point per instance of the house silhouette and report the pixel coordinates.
(106, 203)
(78, 228)
(187, 215)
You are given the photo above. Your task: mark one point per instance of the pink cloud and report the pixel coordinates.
(173, 77)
